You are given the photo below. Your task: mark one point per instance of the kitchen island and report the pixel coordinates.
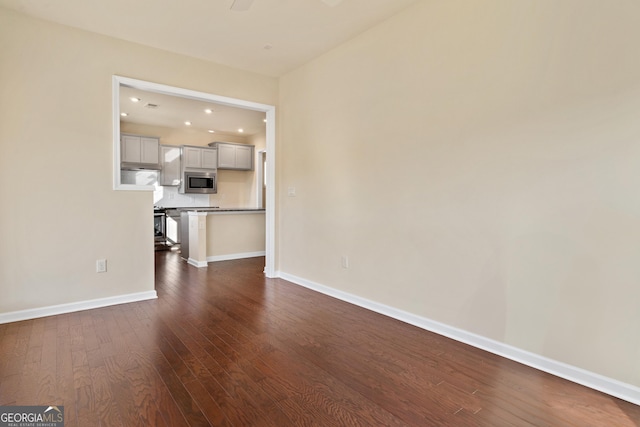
(218, 234)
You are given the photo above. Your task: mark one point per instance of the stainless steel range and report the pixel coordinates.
(159, 226)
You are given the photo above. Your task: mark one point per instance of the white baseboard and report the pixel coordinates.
(196, 263)
(52, 310)
(235, 256)
(607, 385)
(226, 257)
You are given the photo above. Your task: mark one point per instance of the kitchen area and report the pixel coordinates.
(206, 165)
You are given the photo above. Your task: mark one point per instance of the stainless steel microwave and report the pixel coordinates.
(199, 182)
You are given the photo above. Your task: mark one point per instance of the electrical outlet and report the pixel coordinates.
(101, 266)
(345, 261)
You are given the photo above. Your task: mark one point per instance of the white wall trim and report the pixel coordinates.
(34, 313)
(226, 257)
(607, 385)
(197, 263)
(241, 255)
(270, 214)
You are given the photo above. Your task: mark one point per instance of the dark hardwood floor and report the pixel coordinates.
(225, 346)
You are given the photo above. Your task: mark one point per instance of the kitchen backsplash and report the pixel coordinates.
(169, 197)
(139, 177)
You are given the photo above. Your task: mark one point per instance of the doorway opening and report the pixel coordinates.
(267, 174)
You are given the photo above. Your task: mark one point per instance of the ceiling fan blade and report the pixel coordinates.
(241, 5)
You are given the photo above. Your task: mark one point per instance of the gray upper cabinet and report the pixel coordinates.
(234, 156)
(209, 158)
(170, 162)
(137, 150)
(199, 157)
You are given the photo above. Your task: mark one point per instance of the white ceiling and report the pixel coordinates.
(173, 111)
(271, 38)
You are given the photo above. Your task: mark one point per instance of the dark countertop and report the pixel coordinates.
(214, 209)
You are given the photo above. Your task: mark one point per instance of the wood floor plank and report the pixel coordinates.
(85, 406)
(8, 344)
(171, 412)
(65, 391)
(210, 408)
(10, 387)
(188, 406)
(106, 410)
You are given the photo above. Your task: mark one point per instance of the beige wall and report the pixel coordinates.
(479, 164)
(235, 233)
(59, 212)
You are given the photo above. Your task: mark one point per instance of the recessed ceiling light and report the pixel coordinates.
(240, 130)
(208, 111)
(123, 114)
(264, 120)
(134, 99)
(188, 123)
(211, 131)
